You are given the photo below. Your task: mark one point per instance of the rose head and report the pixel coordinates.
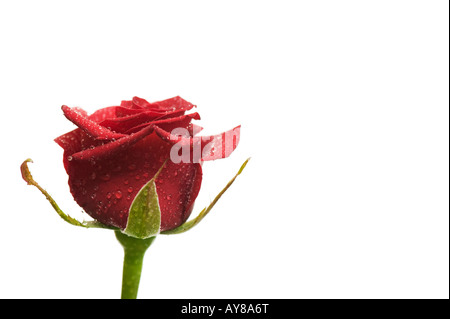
(117, 150)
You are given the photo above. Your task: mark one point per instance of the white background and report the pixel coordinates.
(344, 111)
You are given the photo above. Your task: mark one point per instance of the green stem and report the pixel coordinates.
(134, 251)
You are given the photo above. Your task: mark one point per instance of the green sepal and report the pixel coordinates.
(26, 175)
(189, 224)
(144, 218)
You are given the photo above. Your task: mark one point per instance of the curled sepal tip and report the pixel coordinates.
(26, 175)
(189, 224)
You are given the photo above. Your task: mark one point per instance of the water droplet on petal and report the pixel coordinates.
(137, 177)
(126, 182)
(69, 158)
(93, 175)
(130, 189)
(108, 195)
(118, 194)
(106, 177)
(132, 167)
(93, 195)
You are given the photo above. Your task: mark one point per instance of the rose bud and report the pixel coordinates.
(139, 148)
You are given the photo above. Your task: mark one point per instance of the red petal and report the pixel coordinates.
(168, 124)
(125, 124)
(126, 111)
(76, 141)
(127, 104)
(177, 186)
(222, 145)
(103, 114)
(71, 141)
(206, 147)
(194, 129)
(140, 103)
(109, 149)
(172, 104)
(81, 111)
(89, 126)
(106, 187)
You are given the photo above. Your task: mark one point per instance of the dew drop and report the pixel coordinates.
(130, 189)
(93, 175)
(132, 167)
(175, 173)
(106, 177)
(145, 175)
(118, 194)
(108, 195)
(93, 195)
(137, 177)
(69, 158)
(126, 182)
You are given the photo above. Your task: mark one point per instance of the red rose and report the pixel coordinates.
(116, 150)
